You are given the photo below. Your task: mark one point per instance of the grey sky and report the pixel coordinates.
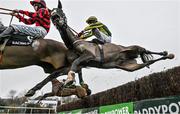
(153, 24)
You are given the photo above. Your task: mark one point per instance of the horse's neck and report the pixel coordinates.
(67, 36)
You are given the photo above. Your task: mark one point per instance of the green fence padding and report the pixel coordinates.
(124, 108)
(168, 105)
(94, 110)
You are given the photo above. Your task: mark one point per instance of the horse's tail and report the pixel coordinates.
(146, 57)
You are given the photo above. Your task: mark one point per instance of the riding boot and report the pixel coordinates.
(6, 32)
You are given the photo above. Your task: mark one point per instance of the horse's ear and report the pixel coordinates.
(59, 4)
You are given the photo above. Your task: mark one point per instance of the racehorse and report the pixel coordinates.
(114, 56)
(21, 51)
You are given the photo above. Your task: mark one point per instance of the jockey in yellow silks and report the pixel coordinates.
(97, 29)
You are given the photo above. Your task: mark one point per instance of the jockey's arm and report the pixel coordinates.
(86, 34)
(41, 13)
(29, 21)
(88, 30)
(27, 13)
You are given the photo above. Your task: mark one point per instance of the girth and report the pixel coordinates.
(101, 53)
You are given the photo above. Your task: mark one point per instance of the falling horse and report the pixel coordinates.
(21, 51)
(59, 90)
(90, 55)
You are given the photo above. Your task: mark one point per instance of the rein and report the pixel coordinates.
(72, 30)
(5, 13)
(6, 9)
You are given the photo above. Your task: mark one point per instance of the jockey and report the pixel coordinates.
(41, 18)
(98, 29)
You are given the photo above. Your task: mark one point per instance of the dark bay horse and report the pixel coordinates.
(115, 56)
(48, 54)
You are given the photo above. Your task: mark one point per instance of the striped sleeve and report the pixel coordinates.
(27, 13)
(29, 21)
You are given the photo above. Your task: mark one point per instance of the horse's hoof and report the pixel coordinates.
(164, 53)
(87, 88)
(30, 93)
(171, 56)
(88, 92)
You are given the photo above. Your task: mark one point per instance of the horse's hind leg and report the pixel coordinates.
(134, 66)
(164, 53)
(142, 50)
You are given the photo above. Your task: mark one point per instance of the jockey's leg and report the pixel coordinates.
(7, 32)
(37, 31)
(101, 36)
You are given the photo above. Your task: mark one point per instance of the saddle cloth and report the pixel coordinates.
(18, 40)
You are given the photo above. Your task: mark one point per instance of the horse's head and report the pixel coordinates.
(57, 16)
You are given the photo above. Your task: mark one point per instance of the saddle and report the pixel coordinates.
(18, 40)
(15, 40)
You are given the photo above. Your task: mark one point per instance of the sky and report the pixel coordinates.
(152, 24)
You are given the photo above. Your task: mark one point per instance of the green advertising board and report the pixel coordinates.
(72, 112)
(170, 105)
(94, 110)
(124, 108)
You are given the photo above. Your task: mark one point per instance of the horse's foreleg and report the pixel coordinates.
(45, 96)
(81, 81)
(134, 66)
(85, 57)
(55, 74)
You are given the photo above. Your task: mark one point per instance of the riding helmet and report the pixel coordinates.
(91, 18)
(42, 2)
